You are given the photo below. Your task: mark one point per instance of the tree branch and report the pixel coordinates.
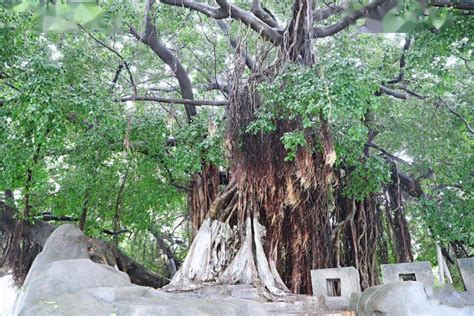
(322, 14)
(175, 101)
(116, 233)
(413, 93)
(134, 87)
(401, 75)
(408, 184)
(233, 43)
(387, 154)
(264, 14)
(151, 39)
(116, 76)
(393, 93)
(468, 127)
(212, 12)
(228, 10)
(48, 217)
(351, 18)
(216, 86)
(463, 5)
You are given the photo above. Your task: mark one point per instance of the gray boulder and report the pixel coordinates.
(407, 298)
(63, 280)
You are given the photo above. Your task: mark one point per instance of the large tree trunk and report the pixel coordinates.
(272, 219)
(278, 219)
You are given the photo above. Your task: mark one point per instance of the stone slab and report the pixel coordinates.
(421, 271)
(466, 266)
(323, 280)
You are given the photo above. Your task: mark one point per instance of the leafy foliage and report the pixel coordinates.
(60, 118)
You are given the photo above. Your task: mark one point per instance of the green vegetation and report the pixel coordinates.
(74, 144)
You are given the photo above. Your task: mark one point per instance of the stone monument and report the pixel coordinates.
(466, 266)
(409, 271)
(335, 285)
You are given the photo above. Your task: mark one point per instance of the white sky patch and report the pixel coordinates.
(55, 53)
(451, 61)
(7, 295)
(396, 38)
(404, 155)
(118, 46)
(17, 194)
(130, 106)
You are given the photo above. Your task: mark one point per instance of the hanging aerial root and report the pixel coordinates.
(222, 200)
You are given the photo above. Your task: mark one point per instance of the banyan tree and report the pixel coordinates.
(307, 186)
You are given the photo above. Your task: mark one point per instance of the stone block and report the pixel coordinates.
(335, 285)
(410, 271)
(466, 266)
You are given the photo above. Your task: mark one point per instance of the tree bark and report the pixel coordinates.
(396, 218)
(204, 187)
(85, 208)
(273, 218)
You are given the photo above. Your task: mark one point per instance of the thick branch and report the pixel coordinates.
(48, 217)
(347, 20)
(394, 93)
(151, 39)
(247, 18)
(212, 12)
(330, 10)
(463, 5)
(408, 184)
(264, 14)
(413, 93)
(216, 86)
(228, 10)
(175, 101)
(116, 233)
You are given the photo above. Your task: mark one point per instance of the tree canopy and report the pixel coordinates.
(109, 114)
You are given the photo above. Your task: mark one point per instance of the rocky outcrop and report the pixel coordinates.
(411, 298)
(63, 280)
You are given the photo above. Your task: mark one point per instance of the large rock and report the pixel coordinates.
(64, 281)
(466, 266)
(409, 298)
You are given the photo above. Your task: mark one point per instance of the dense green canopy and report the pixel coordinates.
(77, 142)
